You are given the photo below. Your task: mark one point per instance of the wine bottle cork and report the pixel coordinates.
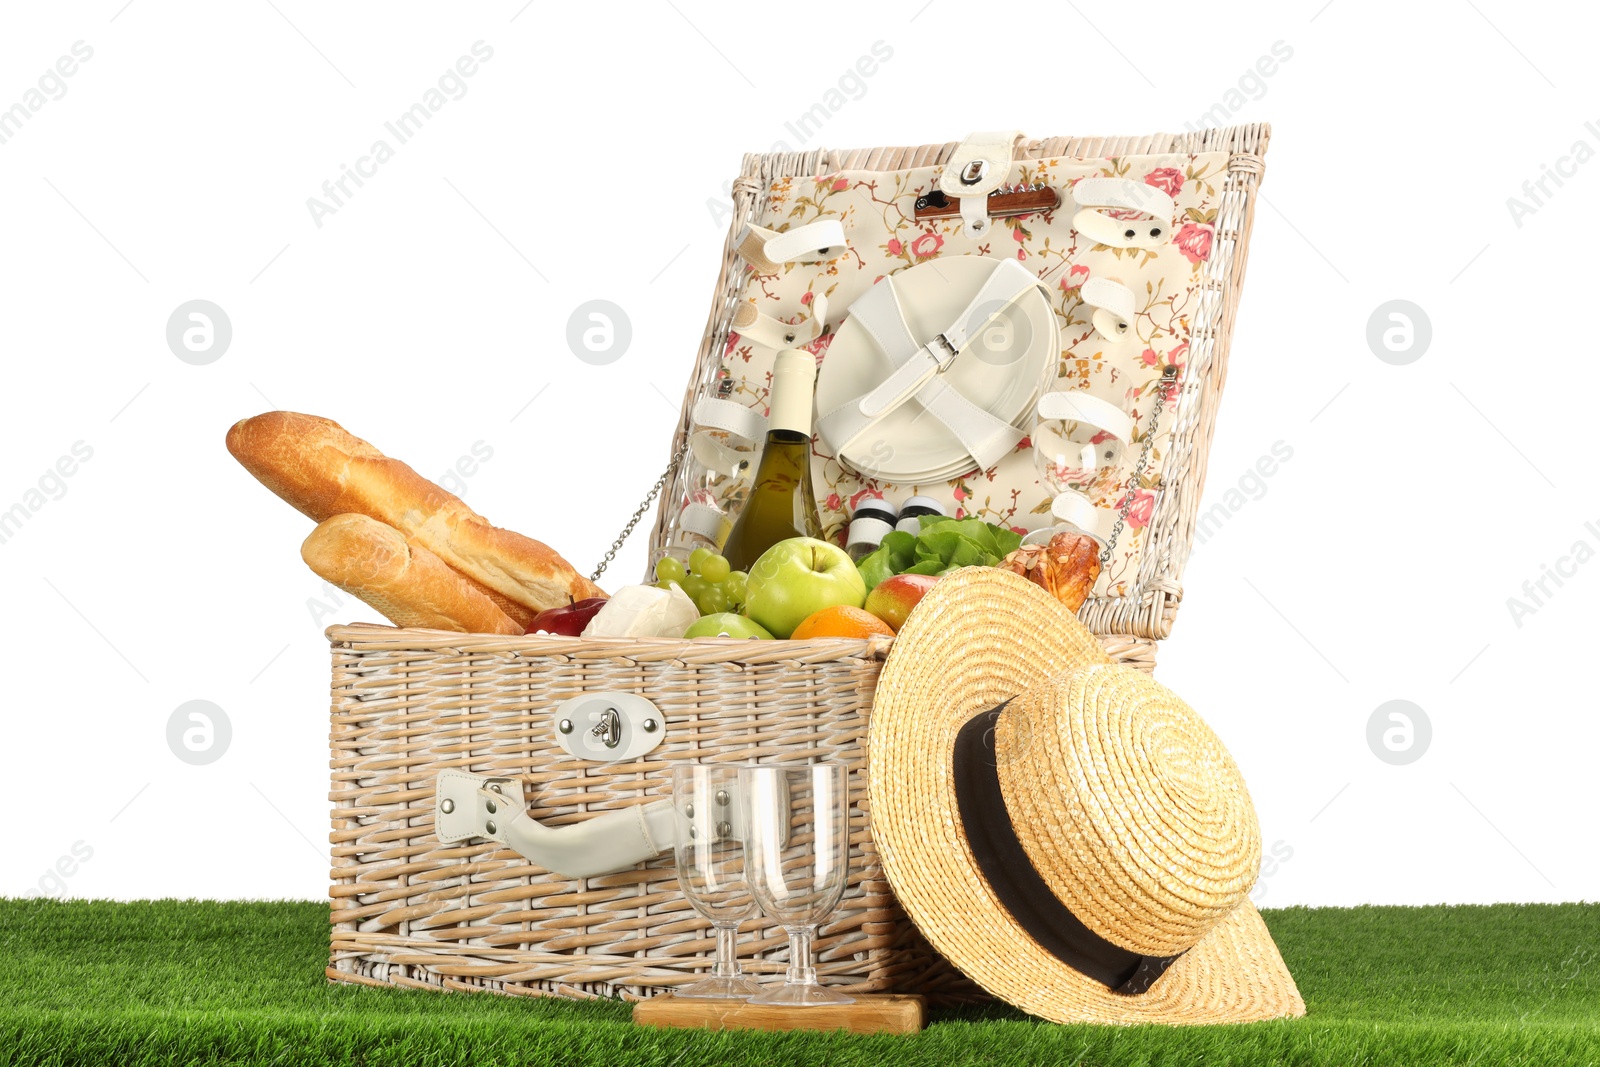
(794, 380)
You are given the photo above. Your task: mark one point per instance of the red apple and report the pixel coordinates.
(569, 619)
(893, 598)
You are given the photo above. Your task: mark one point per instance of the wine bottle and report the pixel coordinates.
(782, 503)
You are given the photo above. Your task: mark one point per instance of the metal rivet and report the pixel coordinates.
(650, 726)
(722, 797)
(1128, 234)
(1156, 232)
(447, 805)
(489, 826)
(788, 337)
(490, 807)
(692, 833)
(724, 829)
(495, 787)
(565, 726)
(688, 810)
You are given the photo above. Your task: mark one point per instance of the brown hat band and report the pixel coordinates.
(1017, 883)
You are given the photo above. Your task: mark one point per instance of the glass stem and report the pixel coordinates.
(727, 964)
(800, 970)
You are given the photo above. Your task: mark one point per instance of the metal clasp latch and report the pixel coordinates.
(973, 173)
(609, 728)
(944, 351)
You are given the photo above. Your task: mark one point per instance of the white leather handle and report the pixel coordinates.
(611, 842)
(469, 805)
(1125, 195)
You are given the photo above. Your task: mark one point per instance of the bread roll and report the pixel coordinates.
(408, 584)
(1067, 567)
(322, 470)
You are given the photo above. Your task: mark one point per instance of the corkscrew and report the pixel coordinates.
(1019, 199)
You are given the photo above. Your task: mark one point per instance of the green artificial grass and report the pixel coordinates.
(203, 982)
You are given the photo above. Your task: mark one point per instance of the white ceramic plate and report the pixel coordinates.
(1000, 370)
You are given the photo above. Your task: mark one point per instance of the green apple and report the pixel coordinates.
(797, 578)
(726, 624)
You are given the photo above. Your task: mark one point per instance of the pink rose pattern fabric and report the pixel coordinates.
(884, 237)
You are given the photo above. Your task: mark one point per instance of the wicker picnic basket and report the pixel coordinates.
(409, 909)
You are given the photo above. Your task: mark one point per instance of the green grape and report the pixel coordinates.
(695, 586)
(712, 601)
(669, 569)
(714, 568)
(697, 560)
(667, 583)
(734, 586)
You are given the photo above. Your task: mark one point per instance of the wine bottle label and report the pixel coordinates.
(794, 380)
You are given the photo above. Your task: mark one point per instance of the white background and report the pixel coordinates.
(429, 313)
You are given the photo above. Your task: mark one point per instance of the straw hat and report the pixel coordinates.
(1063, 829)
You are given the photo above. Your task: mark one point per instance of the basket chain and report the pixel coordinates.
(611, 553)
(1169, 377)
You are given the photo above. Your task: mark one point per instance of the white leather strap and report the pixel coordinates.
(769, 332)
(1124, 195)
(1076, 405)
(470, 805)
(729, 458)
(701, 519)
(979, 165)
(917, 367)
(1113, 308)
(1073, 507)
(766, 251)
(714, 413)
(1073, 458)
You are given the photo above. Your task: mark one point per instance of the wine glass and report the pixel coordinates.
(1079, 446)
(710, 859)
(797, 847)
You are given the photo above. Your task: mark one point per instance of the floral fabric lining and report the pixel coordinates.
(877, 212)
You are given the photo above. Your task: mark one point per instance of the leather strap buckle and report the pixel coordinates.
(944, 351)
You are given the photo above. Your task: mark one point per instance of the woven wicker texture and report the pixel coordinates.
(1125, 802)
(411, 911)
(1149, 608)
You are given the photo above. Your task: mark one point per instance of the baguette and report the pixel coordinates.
(323, 471)
(408, 584)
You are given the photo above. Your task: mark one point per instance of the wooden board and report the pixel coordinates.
(870, 1014)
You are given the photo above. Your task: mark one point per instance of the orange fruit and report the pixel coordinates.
(842, 620)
